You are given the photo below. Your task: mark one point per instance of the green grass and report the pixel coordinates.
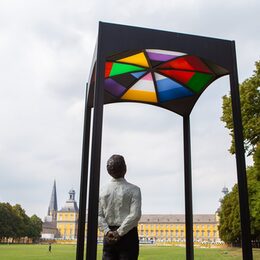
(67, 252)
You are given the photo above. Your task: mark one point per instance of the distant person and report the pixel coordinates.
(119, 213)
(49, 247)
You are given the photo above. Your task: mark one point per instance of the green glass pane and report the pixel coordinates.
(199, 81)
(119, 68)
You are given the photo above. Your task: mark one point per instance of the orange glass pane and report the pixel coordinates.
(139, 95)
(137, 59)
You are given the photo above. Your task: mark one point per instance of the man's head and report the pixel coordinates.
(116, 166)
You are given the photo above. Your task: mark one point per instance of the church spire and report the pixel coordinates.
(53, 206)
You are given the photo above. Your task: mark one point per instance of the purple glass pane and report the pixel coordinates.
(114, 88)
(160, 57)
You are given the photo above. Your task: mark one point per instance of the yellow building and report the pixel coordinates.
(171, 228)
(156, 228)
(152, 228)
(67, 218)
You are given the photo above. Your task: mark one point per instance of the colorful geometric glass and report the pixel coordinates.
(157, 76)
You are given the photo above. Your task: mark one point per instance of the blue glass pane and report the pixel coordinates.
(138, 74)
(169, 90)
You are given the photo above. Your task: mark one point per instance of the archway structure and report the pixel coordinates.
(168, 70)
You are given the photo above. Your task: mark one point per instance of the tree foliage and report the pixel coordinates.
(14, 223)
(229, 224)
(250, 109)
(35, 228)
(229, 227)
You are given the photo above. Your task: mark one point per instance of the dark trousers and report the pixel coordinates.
(127, 248)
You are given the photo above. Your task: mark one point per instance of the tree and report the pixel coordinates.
(14, 223)
(35, 228)
(250, 109)
(7, 220)
(22, 223)
(229, 227)
(229, 224)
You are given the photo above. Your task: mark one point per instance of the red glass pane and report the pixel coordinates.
(108, 68)
(186, 63)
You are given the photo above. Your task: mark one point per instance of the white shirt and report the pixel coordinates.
(119, 205)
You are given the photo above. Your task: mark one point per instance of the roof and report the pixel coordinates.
(176, 218)
(70, 206)
(53, 206)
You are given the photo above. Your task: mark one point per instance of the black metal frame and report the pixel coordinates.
(113, 39)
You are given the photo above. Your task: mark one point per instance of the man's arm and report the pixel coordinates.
(132, 219)
(102, 224)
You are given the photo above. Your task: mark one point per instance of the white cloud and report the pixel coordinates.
(46, 51)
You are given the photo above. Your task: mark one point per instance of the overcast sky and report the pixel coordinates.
(46, 49)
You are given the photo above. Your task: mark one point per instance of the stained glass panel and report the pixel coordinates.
(114, 88)
(154, 75)
(137, 59)
(186, 63)
(169, 89)
(199, 81)
(120, 68)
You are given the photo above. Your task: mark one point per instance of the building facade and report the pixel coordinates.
(163, 228)
(171, 228)
(152, 228)
(67, 218)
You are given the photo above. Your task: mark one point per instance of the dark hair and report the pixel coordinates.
(116, 166)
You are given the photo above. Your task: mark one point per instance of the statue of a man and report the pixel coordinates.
(119, 213)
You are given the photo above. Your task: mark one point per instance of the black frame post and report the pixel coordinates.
(93, 199)
(188, 188)
(240, 161)
(83, 181)
(221, 56)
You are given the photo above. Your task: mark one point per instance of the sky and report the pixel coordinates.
(46, 50)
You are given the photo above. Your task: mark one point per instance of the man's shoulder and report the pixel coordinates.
(105, 189)
(133, 186)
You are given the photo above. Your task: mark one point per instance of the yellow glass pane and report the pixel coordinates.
(137, 59)
(139, 95)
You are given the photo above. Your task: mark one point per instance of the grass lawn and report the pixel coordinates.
(67, 252)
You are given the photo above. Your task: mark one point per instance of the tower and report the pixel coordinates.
(53, 206)
(225, 190)
(67, 218)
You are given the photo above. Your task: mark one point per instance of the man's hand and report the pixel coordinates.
(112, 237)
(116, 235)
